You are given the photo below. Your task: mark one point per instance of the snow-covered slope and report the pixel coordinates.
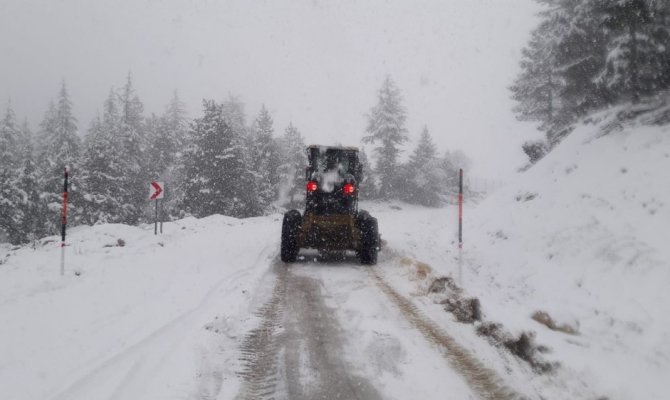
(583, 237)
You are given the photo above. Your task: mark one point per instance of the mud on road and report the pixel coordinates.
(295, 353)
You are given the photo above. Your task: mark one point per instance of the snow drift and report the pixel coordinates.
(580, 241)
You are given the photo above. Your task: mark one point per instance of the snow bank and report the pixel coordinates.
(129, 317)
(581, 238)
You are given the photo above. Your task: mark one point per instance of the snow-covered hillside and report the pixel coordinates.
(583, 237)
(580, 237)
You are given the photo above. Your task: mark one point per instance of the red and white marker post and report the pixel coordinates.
(63, 224)
(156, 193)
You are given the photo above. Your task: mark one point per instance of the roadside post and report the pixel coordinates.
(162, 215)
(460, 227)
(156, 193)
(63, 223)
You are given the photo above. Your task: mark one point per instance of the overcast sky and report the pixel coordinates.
(316, 63)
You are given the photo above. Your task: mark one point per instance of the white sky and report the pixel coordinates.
(316, 63)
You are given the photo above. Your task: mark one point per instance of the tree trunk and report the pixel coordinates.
(634, 78)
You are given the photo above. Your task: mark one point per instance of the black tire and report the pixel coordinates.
(289, 236)
(369, 239)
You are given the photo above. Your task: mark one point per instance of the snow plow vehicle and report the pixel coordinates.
(331, 221)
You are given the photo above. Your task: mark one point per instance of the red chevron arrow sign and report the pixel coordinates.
(156, 191)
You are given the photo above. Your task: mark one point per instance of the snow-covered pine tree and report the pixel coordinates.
(638, 52)
(214, 167)
(536, 87)
(168, 135)
(235, 116)
(292, 167)
(35, 214)
(32, 207)
(175, 124)
(264, 159)
(559, 69)
(581, 47)
(11, 195)
(559, 65)
(101, 169)
(366, 188)
(132, 140)
(10, 139)
(59, 146)
(386, 126)
(604, 52)
(425, 179)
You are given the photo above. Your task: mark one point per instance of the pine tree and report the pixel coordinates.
(214, 168)
(265, 159)
(10, 139)
(19, 196)
(638, 54)
(32, 207)
(366, 188)
(292, 167)
(602, 52)
(9, 162)
(560, 64)
(104, 185)
(423, 177)
(536, 87)
(167, 135)
(580, 59)
(425, 150)
(59, 147)
(235, 116)
(43, 136)
(132, 141)
(386, 125)
(174, 124)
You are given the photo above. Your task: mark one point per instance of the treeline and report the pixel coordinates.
(218, 163)
(586, 55)
(427, 177)
(215, 164)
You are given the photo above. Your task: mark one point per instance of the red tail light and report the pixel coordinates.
(312, 186)
(348, 189)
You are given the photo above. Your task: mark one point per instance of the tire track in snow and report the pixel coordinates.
(260, 347)
(132, 366)
(481, 379)
(298, 327)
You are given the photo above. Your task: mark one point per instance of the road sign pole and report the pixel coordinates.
(63, 223)
(156, 193)
(162, 215)
(156, 220)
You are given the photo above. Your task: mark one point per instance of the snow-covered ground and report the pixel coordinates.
(131, 324)
(581, 236)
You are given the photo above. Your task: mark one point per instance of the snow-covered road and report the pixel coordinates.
(331, 332)
(206, 311)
